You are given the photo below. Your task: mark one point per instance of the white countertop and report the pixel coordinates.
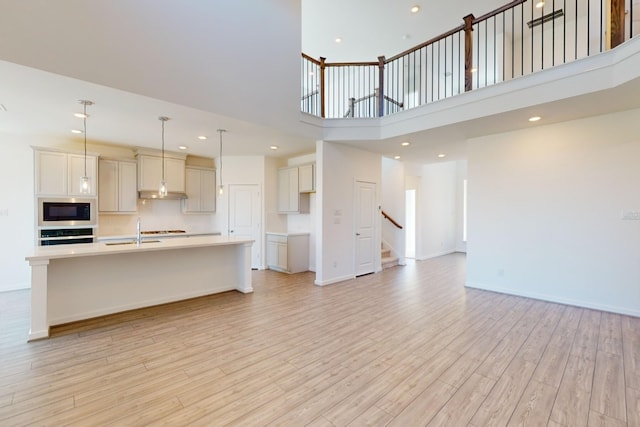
(43, 253)
(288, 233)
(155, 236)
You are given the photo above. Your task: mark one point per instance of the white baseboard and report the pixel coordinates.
(334, 280)
(556, 299)
(15, 287)
(435, 255)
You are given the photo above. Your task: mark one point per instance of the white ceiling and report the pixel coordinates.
(206, 65)
(372, 28)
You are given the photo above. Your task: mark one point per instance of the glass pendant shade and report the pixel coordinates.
(221, 189)
(85, 185)
(162, 191)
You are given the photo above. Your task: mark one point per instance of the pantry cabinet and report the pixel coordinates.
(58, 173)
(117, 186)
(201, 190)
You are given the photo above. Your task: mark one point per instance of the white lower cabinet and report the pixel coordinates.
(288, 252)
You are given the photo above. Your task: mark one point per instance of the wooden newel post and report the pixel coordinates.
(616, 23)
(322, 79)
(381, 61)
(468, 52)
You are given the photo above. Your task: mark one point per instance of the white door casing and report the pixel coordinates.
(245, 213)
(365, 227)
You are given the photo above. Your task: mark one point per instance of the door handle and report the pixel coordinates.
(230, 231)
(357, 234)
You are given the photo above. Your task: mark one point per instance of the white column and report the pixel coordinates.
(244, 267)
(39, 317)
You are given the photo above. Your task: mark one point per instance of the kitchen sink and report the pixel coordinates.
(131, 242)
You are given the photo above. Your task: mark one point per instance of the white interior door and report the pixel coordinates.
(365, 225)
(245, 213)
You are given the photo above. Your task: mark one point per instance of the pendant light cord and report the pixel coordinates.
(163, 120)
(220, 132)
(85, 137)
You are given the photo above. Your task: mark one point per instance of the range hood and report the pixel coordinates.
(171, 195)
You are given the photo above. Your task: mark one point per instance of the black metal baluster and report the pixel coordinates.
(542, 38)
(532, 38)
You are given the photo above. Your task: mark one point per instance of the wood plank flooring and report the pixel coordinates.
(406, 347)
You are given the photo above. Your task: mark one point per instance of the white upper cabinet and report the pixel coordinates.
(201, 190)
(306, 178)
(58, 173)
(290, 198)
(117, 186)
(150, 172)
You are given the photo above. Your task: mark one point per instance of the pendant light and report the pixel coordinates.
(162, 192)
(221, 186)
(85, 184)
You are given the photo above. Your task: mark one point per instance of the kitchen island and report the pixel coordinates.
(82, 281)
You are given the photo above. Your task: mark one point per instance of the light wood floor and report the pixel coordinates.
(407, 347)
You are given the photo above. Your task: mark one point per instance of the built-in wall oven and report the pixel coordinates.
(64, 221)
(66, 236)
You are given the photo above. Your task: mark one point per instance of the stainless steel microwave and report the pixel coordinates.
(66, 212)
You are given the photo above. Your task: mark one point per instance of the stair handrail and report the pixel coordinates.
(469, 53)
(391, 220)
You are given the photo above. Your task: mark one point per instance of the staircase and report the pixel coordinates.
(388, 260)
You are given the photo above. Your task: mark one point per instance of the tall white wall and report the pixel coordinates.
(461, 176)
(393, 203)
(545, 212)
(338, 168)
(274, 221)
(437, 210)
(305, 221)
(17, 218)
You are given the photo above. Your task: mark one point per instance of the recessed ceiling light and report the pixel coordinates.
(406, 144)
(396, 157)
(338, 39)
(182, 147)
(534, 118)
(202, 137)
(441, 156)
(415, 9)
(540, 4)
(76, 131)
(81, 115)
(274, 147)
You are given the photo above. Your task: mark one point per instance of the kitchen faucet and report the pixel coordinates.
(139, 237)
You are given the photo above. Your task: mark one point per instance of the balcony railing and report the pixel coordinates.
(520, 38)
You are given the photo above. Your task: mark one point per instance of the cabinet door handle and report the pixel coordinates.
(230, 231)
(357, 234)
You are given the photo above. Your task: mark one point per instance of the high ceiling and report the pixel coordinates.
(372, 28)
(206, 65)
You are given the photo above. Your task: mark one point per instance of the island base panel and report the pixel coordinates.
(86, 287)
